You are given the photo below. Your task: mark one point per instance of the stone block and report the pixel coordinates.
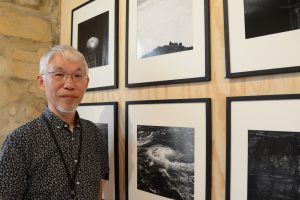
(10, 92)
(33, 89)
(24, 26)
(21, 70)
(7, 127)
(41, 52)
(29, 3)
(12, 111)
(27, 29)
(3, 65)
(32, 112)
(26, 110)
(26, 56)
(2, 138)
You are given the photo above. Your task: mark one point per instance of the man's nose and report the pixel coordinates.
(69, 81)
(69, 76)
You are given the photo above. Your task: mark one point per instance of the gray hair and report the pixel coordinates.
(67, 53)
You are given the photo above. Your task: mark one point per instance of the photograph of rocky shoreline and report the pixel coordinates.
(165, 161)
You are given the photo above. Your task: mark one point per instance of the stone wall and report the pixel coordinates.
(27, 29)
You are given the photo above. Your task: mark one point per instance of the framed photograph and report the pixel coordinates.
(94, 32)
(168, 149)
(261, 37)
(263, 147)
(167, 42)
(105, 116)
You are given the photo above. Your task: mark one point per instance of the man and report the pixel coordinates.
(58, 155)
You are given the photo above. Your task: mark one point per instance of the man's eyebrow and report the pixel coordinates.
(59, 68)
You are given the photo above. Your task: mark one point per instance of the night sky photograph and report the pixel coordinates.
(93, 40)
(265, 17)
(273, 165)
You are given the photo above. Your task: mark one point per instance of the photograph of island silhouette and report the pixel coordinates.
(164, 27)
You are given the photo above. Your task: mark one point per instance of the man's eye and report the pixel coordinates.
(59, 75)
(78, 76)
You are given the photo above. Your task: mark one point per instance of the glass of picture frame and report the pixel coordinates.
(105, 116)
(94, 32)
(261, 37)
(263, 147)
(167, 42)
(168, 149)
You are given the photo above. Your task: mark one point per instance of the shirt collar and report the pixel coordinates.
(57, 122)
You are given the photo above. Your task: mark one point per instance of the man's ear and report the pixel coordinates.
(88, 81)
(40, 82)
(86, 86)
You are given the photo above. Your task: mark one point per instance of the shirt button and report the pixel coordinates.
(65, 125)
(72, 139)
(75, 161)
(77, 183)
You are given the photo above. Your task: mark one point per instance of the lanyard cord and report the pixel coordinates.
(70, 178)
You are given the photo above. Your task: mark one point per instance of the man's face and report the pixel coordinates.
(63, 95)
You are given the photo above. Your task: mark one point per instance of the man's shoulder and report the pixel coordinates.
(88, 123)
(26, 130)
(23, 136)
(92, 129)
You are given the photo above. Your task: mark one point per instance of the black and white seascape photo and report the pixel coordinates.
(164, 27)
(104, 130)
(165, 161)
(93, 40)
(264, 17)
(273, 165)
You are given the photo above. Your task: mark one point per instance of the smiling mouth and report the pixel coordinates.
(68, 96)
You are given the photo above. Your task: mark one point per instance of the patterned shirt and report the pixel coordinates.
(31, 166)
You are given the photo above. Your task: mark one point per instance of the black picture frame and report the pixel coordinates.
(154, 129)
(171, 61)
(259, 39)
(105, 116)
(94, 32)
(261, 130)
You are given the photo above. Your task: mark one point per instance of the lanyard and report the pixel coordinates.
(71, 179)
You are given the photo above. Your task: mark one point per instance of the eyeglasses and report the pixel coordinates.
(62, 76)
